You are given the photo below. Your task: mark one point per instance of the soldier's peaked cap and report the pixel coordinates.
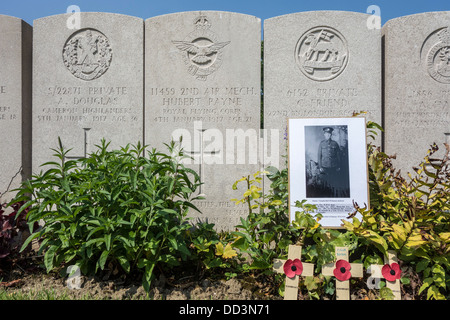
(328, 129)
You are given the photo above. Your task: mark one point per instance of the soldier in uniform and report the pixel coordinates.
(329, 161)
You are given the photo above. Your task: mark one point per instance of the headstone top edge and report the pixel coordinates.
(315, 12)
(249, 16)
(415, 15)
(64, 15)
(12, 18)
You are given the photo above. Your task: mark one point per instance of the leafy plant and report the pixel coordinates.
(12, 226)
(210, 249)
(114, 207)
(266, 232)
(410, 216)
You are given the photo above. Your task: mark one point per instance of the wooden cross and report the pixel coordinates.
(86, 143)
(343, 269)
(393, 285)
(291, 284)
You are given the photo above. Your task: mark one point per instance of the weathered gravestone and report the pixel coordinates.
(203, 83)
(319, 64)
(15, 104)
(87, 83)
(416, 86)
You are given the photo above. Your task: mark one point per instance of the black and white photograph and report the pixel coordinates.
(326, 154)
(328, 166)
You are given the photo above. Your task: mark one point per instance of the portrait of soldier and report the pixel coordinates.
(329, 154)
(327, 169)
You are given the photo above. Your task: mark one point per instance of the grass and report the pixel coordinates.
(44, 294)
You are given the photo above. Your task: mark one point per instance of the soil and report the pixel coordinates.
(92, 288)
(27, 279)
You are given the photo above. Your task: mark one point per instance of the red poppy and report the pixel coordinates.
(293, 268)
(342, 270)
(391, 272)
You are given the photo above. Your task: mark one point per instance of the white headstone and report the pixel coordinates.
(15, 104)
(320, 64)
(87, 83)
(203, 83)
(416, 86)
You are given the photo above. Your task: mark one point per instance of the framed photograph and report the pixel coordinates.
(328, 166)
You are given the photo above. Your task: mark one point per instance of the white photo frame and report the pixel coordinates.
(327, 159)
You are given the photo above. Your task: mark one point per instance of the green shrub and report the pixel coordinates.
(411, 216)
(116, 207)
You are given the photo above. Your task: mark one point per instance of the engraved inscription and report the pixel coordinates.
(202, 52)
(435, 55)
(88, 105)
(320, 102)
(427, 108)
(6, 113)
(322, 53)
(211, 104)
(87, 54)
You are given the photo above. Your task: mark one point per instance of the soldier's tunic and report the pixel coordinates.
(329, 155)
(329, 163)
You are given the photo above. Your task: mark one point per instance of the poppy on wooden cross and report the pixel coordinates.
(343, 270)
(293, 268)
(391, 272)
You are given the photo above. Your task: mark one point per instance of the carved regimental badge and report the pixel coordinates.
(87, 54)
(435, 55)
(202, 51)
(321, 53)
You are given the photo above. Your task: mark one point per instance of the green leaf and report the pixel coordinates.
(434, 293)
(421, 265)
(439, 276)
(94, 231)
(405, 281)
(260, 264)
(173, 242)
(426, 283)
(49, 257)
(386, 294)
(124, 263)
(103, 258)
(29, 239)
(108, 241)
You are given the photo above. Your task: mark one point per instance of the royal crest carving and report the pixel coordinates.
(201, 49)
(87, 54)
(321, 53)
(436, 55)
